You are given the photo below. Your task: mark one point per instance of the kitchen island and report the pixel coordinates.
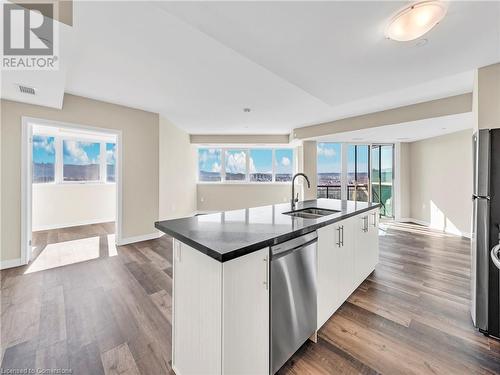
(221, 278)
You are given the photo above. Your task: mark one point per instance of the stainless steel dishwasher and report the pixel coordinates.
(293, 296)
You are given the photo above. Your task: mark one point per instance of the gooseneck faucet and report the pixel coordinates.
(296, 199)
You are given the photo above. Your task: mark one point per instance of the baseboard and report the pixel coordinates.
(4, 264)
(428, 225)
(74, 224)
(134, 239)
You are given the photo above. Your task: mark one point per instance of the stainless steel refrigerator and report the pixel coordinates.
(485, 280)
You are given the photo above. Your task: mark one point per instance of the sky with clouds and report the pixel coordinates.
(74, 152)
(80, 153)
(43, 149)
(209, 160)
(329, 158)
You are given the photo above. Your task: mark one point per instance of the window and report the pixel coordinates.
(236, 165)
(261, 165)
(44, 159)
(284, 165)
(81, 161)
(110, 162)
(256, 165)
(209, 164)
(357, 173)
(329, 170)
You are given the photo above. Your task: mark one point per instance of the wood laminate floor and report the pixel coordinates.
(107, 310)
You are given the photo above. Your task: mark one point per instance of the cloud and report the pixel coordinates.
(75, 152)
(251, 166)
(110, 156)
(326, 151)
(42, 143)
(236, 162)
(285, 161)
(216, 167)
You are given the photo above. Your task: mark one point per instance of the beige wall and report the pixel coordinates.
(66, 205)
(140, 132)
(217, 197)
(441, 182)
(404, 181)
(487, 97)
(309, 160)
(177, 172)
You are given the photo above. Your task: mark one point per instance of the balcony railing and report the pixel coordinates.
(358, 192)
(355, 192)
(329, 191)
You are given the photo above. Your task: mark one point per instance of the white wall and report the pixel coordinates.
(65, 205)
(178, 167)
(441, 182)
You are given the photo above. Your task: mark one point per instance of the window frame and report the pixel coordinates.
(246, 150)
(59, 159)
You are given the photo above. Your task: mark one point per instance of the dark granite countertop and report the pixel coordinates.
(231, 234)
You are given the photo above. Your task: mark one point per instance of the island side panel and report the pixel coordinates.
(197, 311)
(246, 314)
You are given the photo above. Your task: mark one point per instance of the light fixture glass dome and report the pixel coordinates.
(415, 20)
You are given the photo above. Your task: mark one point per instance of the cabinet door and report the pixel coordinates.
(361, 247)
(328, 272)
(346, 260)
(366, 245)
(246, 314)
(197, 312)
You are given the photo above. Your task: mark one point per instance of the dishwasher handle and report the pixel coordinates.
(294, 243)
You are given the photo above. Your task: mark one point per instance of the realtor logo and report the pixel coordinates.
(28, 37)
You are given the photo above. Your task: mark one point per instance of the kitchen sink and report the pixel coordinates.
(311, 212)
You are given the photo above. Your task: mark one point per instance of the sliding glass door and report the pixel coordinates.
(358, 175)
(382, 177)
(329, 165)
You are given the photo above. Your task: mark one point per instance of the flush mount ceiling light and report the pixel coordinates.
(415, 20)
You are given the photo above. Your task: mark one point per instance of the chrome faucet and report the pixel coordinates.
(296, 199)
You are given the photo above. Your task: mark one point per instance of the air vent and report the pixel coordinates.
(27, 90)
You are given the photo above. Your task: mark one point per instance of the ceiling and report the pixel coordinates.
(406, 132)
(293, 63)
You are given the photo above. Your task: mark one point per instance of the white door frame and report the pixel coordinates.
(26, 177)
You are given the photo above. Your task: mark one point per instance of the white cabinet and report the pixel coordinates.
(328, 274)
(366, 245)
(347, 254)
(197, 308)
(335, 267)
(245, 324)
(221, 313)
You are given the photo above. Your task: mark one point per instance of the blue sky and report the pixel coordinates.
(43, 149)
(329, 158)
(261, 160)
(80, 153)
(209, 159)
(284, 161)
(110, 153)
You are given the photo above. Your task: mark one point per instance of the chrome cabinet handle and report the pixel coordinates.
(342, 227)
(340, 241)
(495, 256)
(365, 224)
(374, 219)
